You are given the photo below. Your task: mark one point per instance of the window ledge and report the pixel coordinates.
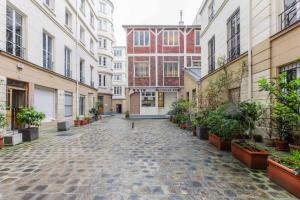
(51, 10)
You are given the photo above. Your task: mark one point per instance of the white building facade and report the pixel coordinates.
(105, 54)
(120, 79)
(53, 46)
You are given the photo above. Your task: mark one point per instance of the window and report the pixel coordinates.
(292, 71)
(82, 105)
(68, 104)
(92, 19)
(233, 34)
(118, 53)
(148, 99)
(118, 66)
(50, 3)
(104, 43)
(141, 38)
(104, 25)
(171, 38)
(118, 91)
(211, 11)
(100, 24)
(103, 8)
(68, 72)
(211, 54)
(91, 75)
(92, 45)
(161, 99)
(104, 61)
(14, 33)
(82, 6)
(47, 51)
(197, 38)
(171, 69)
(196, 63)
(118, 77)
(81, 71)
(104, 80)
(82, 35)
(291, 13)
(100, 60)
(188, 96)
(100, 79)
(141, 69)
(68, 19)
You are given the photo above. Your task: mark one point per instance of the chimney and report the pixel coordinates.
(181, 22)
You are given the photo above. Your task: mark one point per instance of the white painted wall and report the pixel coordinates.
(123, 72)
(218, 27)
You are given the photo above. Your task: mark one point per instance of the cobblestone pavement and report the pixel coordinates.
(110, 160)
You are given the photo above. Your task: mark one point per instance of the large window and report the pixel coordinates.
(148, 99)
(292, 71)
(118, 65)
(141, 69)
(68, 72)
(291, 13)
(82, 35)
(171, 38)
(141, 38)
(14, 33)
(211, 54)
(82, 105)
(118, 53)
(171, 69)
(118, 91)
(68, 104)
(118, 77)
(81, 71)
(47, 51)
(68, 19)
(233, 34)
(197, 38)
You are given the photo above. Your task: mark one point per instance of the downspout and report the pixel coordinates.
(250, 52)
(76, 53)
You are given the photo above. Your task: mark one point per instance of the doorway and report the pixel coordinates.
(16, 99)
(119, 108)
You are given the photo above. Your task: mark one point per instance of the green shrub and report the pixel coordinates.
(293, 161)
(29, 117)
(3, 122)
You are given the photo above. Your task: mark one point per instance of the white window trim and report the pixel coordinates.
(82, 39)
(69, 26)
(118, 91)
(139, 45)
(149, 75)
(168, 32)
(51, 5)
(178, 68)
(48, 52)
(195, 39)
(194, 60)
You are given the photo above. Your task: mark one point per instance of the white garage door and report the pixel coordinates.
(45, 101)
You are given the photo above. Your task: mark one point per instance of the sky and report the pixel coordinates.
(157, 12)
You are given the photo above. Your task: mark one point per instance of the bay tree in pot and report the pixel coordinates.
(201, 124)
(31, 120)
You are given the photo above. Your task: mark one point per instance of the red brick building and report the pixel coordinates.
(157, 57)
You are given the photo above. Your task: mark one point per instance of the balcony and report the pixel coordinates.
(290, 16)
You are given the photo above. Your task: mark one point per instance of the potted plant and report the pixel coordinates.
(286, 172)
(2, 126)
(286, 112)
(182, 119)
(83, 121)
(31, 120)
(245, 151)
(295, 146)
(95, 114)
(201, 126)
(77, 121)
(222, 127)
(127, 114)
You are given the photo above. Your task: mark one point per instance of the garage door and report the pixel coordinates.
(45, 101)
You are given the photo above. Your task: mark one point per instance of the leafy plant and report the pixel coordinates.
(77, 118)
(95, 112)
(29, 117)
(127, 114)
(293, 161)
(3, 122)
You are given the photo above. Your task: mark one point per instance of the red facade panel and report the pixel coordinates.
(153, 71)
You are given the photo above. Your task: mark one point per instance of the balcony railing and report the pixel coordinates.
(233, 52)
(290, 16)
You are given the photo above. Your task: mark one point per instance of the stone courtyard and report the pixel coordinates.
(108, 160)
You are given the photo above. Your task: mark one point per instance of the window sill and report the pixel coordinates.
(69, 28)
(50, 9)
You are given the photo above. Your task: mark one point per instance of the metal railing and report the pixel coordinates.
(290, 16)
(233, 52)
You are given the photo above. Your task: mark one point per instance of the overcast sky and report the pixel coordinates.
(132, 12)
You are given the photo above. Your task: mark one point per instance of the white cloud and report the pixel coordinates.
(131, 12)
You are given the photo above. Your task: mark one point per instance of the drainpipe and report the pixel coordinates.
(76, 58)
(250, 52)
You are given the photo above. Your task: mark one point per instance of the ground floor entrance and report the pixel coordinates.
(119, 108)
(16, 99)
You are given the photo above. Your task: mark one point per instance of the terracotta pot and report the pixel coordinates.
(76, 122)
(83, 122)
(294, 147)
(221, 143)
(284, 177)
(183, 126)
(253, 160)
(269, 142)
(281, 145)
(194, 132)
(1, 141)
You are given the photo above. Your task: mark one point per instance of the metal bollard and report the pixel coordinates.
(132, 125)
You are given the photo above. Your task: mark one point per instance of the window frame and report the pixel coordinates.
(82, 71)
(139, 38)
(68, 58)
(171, 43)
(152, 95)
(68, 105)
(211, 11)
(82, 107)
(118, 91)
(82, 35)
(233, 40)
(68, 22)
(147, 75)
(166, 64)
(48, 60)
(195, 39)
(212, 55)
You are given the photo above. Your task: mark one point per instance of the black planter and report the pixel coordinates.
(202, 132)
(29, 134)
